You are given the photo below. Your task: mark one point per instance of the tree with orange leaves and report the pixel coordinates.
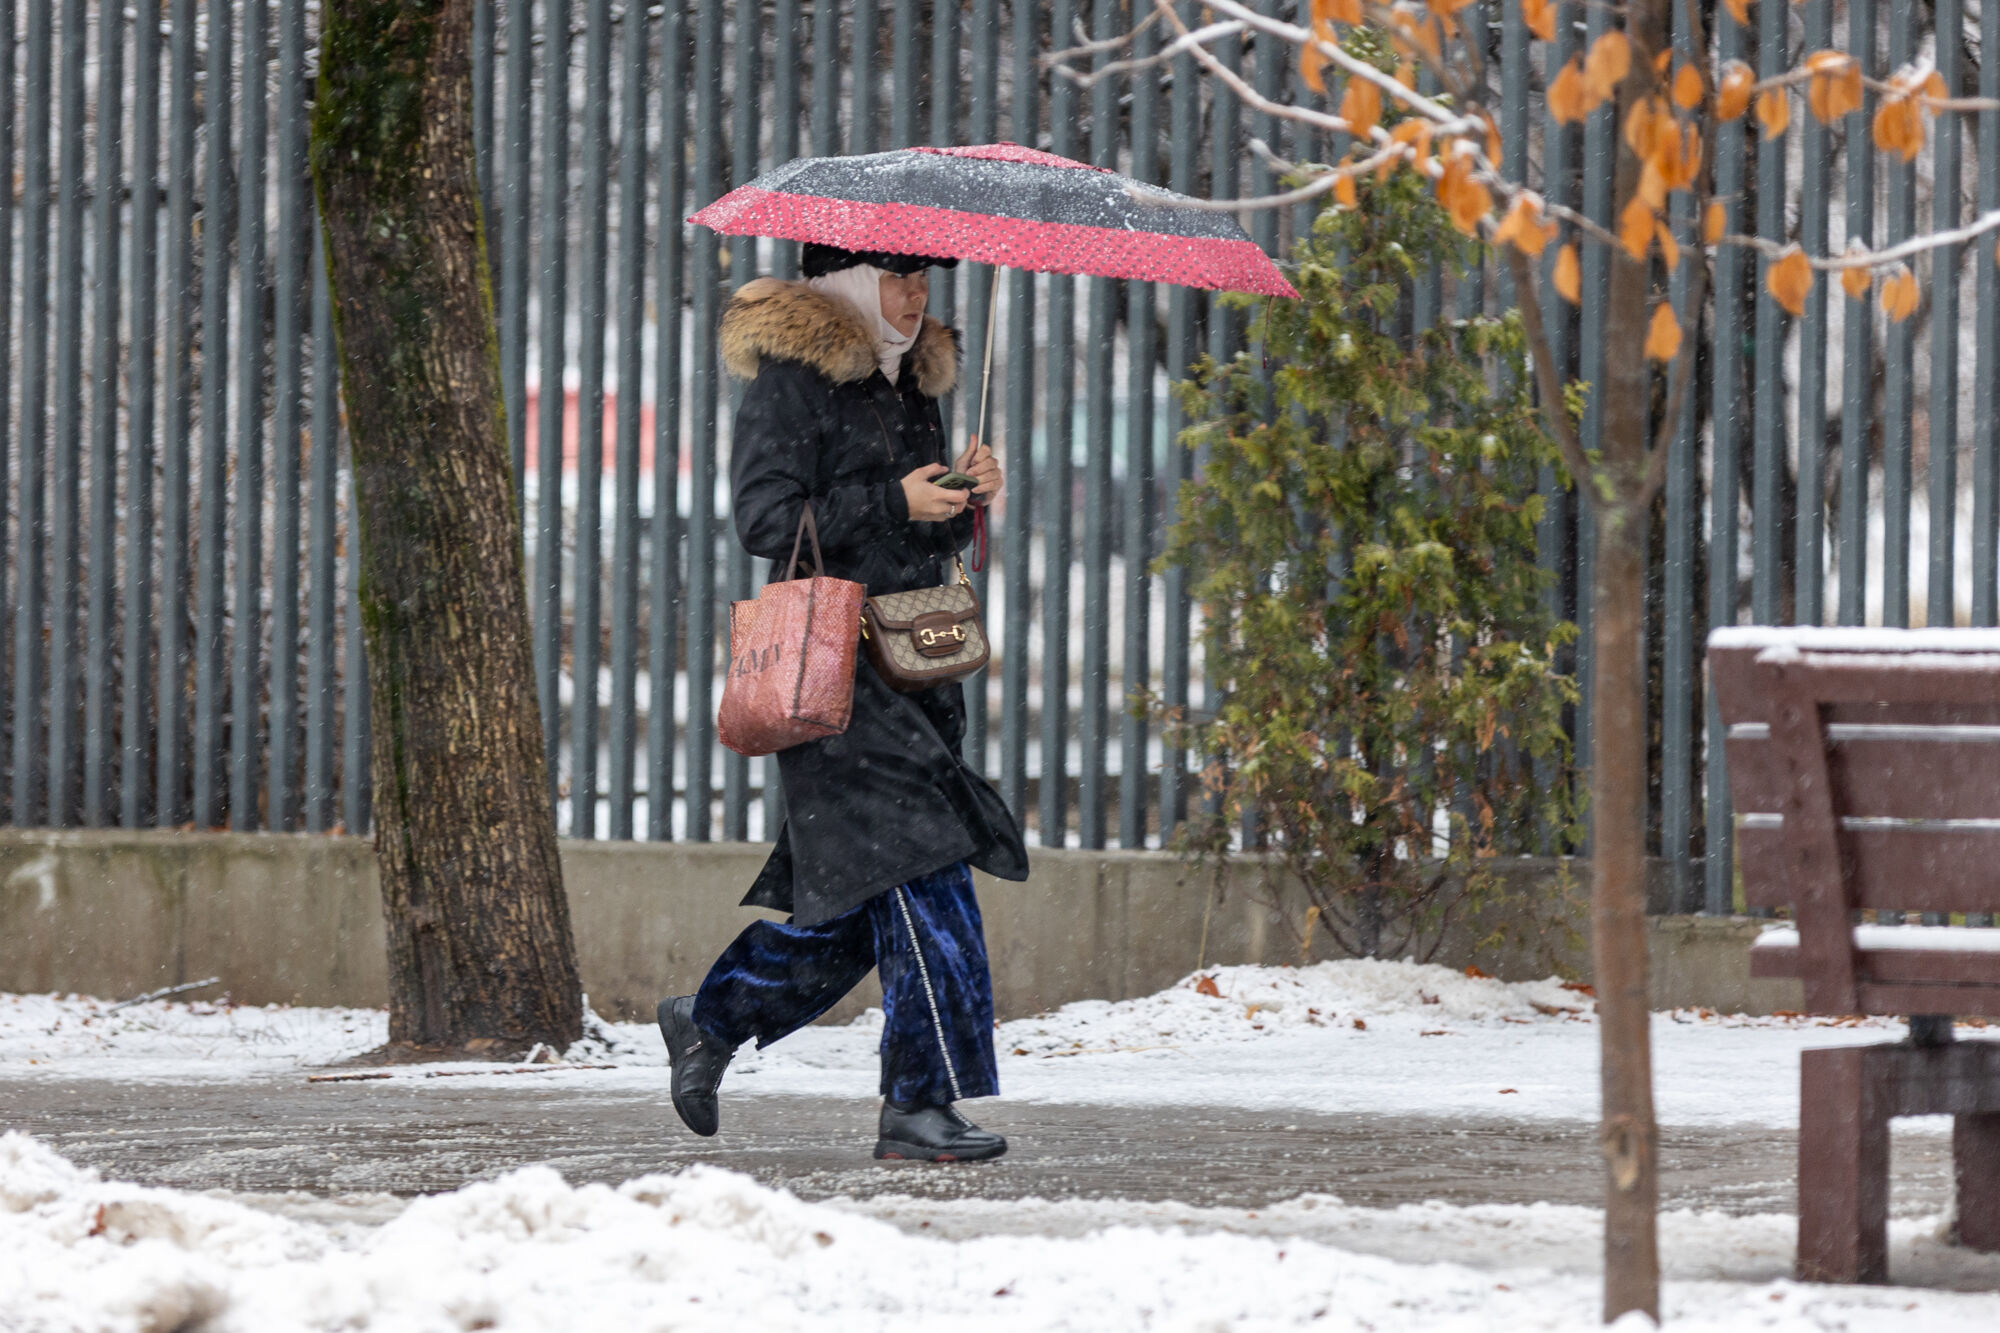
(1668, 111)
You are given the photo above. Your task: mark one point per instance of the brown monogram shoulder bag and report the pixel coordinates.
(927, 636)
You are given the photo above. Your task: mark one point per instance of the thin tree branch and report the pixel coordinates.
(1555, 407)
(1057, 60)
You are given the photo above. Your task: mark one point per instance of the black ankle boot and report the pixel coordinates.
(698, 1061)
(933, 1134)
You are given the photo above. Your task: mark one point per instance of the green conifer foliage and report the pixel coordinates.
(1361, 533)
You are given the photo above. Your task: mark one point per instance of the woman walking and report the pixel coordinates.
(884, 821)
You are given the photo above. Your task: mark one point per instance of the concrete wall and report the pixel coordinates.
(296, 919)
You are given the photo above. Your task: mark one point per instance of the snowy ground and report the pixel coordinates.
(707, 1248)
(1377, 1037)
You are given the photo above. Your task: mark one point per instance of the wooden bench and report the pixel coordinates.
(1865, 771)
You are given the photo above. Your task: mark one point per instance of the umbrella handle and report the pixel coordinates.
(986, 372)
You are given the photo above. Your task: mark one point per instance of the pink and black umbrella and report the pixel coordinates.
(1000, 204)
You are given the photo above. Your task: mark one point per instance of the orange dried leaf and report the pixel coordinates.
(1836, 90)
(1789, 280)
(1688, 87)
(1540, 16)
(1899, 294)
(1343, 191)
(1732, 96)
(1361, 107)
(1740, 11)
(1568, 275)
(1663, 336)
(1899, 127)
(1207, 986)
(1635, 228)
(1856, 282)
(1495, 150)
(1714, 222)
(1569, 100)
(1652, 186)
(1670, 249)
(1523, 226)
(1644, 124)
(1663, 62)
(1337, 11)
(1679, 157)
(1610, 59)
(1774, 111)
(1310, 64)
(1465, 199)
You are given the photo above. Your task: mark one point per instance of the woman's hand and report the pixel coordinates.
(979, 463)
(928, 503)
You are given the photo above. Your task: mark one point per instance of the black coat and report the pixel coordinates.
(891, 798)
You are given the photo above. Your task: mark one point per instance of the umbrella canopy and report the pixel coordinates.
(1000, 204)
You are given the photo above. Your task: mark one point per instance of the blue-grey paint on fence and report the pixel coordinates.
(1986, 352)
(631, 295)
(104, 613)
(1725, 404)
(1857, 338)
(99, 733)
(981, 285)
(135, 682)
(586, 618)
(246, 735)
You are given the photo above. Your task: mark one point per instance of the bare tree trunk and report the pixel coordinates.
(481, 958)
(1627, 1133)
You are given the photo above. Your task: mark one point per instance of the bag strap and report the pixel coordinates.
(808, 527)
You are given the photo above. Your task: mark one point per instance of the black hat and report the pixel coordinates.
(819, 260)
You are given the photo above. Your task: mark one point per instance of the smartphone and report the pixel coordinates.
(955, 481)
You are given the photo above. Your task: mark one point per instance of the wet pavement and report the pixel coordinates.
(406, 1138)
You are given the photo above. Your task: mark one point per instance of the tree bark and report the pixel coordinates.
(481, 959)
(1628, 1136)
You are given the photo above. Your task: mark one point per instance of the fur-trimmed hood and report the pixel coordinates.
(789, 321)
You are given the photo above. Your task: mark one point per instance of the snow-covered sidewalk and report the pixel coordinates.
(1374, 1037)
(709, 1249)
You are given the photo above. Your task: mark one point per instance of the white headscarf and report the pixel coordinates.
(859, 286)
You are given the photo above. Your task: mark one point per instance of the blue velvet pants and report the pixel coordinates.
(924, 938)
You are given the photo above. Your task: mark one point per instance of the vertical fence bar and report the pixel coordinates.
(66, 460)
(28, 660)
(9, 209)
(514, 246)
(1719, 866)
(288, 340)
(323, 499)
(1014, 721)
(865, 46)
(171, 759)
(1092, 730)
(1899, 377)
(663, 643)
(98, 802)
(707, 388)
(631, 331)
(1183, 129)
(1677, 646)
(982, 118)
(1941, 586)
(943, 131)
(586, 614)
(1559, 146)
(1225, 124)
(1141, 329)
(135, 722)
(1857, 337)
(737, 565)
(784, 132)
(1986, 350)
(1058, 500)
(1815, 205)
(1768, 390)
(246, 687)
(207, 741)
(551, 391)
(903, 88)
(826, 78)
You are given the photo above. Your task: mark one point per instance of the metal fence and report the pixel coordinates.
(176, 573)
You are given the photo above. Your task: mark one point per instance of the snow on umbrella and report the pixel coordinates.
(1000, 204)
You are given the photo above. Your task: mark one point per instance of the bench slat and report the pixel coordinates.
(1880, 770)
(1887, 868)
